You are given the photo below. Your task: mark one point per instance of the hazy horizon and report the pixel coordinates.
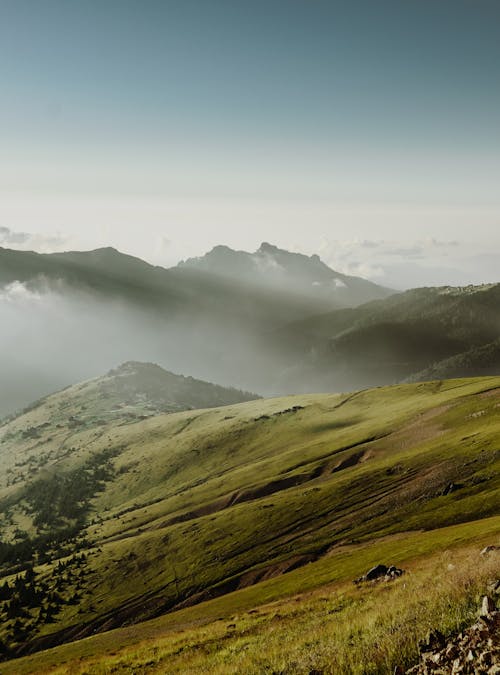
(368, 134)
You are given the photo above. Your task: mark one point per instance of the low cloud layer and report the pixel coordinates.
(53, 336)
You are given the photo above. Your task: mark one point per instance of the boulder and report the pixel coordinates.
(376, 572)
(393, 572)
(380, 572)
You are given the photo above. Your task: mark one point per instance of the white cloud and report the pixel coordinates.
(17, 292)
(26, 241)
(406, 264)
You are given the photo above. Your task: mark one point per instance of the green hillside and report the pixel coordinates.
(484, 360)
(402, 336)
(123, 522)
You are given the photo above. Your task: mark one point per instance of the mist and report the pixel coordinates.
(70, 317)
(53, 338)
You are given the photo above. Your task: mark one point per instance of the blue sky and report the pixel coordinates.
(164, 128)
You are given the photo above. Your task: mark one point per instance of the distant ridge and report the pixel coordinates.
(207, 319)
(306, 275)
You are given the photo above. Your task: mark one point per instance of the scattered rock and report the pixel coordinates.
(393, 572)
(488, 606)
(494, 587)
(475, 651)
(435, 640)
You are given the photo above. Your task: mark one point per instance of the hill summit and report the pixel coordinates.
(148, 385)
(133, 390)
(303, 274)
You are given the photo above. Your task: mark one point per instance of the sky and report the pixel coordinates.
(368, 132)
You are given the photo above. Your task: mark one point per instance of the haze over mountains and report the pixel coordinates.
(271, 321)
(70, 316)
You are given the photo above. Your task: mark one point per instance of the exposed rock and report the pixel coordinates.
(380, 572)
(451, 487)
(376, 572)
(393, 572)
(494, 587)
(488, 606)
(435, 640)
(475, 651)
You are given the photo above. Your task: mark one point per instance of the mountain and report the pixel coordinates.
(389, 340)
(267, 321)
(109, 520)
(272, 267)
(132, 391)
(271, 283)
(484, 360)
(90, 309)
(177, 292)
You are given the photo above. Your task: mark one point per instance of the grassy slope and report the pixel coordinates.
(301, 621)
(208, 501)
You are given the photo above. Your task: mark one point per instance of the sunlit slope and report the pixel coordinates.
(52, 429)
(312, 618)
(199, 503)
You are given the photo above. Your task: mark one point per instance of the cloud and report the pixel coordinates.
(17, 292)
(7, 236)
(406, 264)
(43, 243)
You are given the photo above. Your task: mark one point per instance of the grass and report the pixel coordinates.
(334, 628)
(201, 503)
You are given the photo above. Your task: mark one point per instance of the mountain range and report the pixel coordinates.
(81, 305)
(271, 321)
(178, 525)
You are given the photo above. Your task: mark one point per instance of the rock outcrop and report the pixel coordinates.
(474, 651)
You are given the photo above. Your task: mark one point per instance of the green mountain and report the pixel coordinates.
(484, 360)
(389, 340)
(138, 389)
(109, 519)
